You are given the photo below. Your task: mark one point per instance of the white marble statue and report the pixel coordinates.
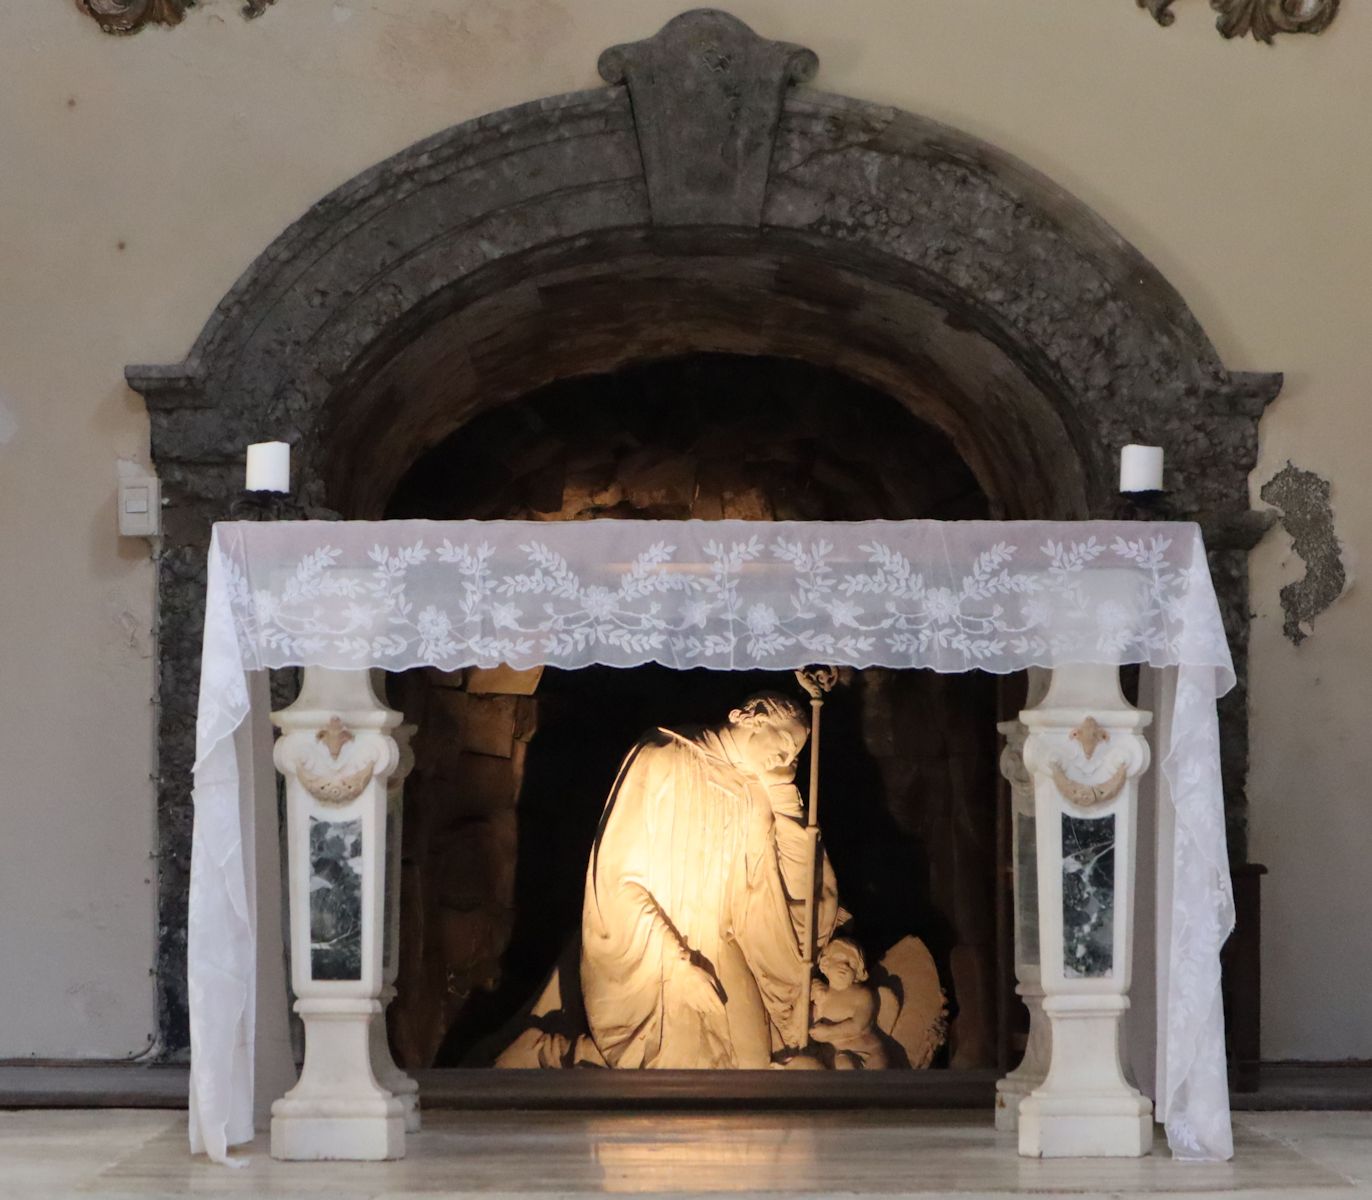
(845, 1009)
(694, 896)
(693, 918)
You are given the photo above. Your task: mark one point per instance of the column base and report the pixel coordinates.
(1114, 1127)
(1010, 1091)
(388, 1075)
(1028, 1077)
(409, 1104)
(338, 1110)
(327, 1136)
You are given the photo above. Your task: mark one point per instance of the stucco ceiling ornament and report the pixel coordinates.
(1263, 19)
(129, 16)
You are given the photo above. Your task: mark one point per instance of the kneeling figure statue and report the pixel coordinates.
(695, 914)
(694, 895)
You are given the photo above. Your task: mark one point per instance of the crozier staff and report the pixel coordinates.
(816, 681)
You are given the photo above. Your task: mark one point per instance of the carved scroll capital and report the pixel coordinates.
(404, 742)
(1262, 19)
(1012, 767)
(334, 764)
(1071, 759)
(1088, 795)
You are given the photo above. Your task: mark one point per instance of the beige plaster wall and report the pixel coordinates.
(139, 176)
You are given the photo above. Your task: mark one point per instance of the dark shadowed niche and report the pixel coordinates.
(507, 790)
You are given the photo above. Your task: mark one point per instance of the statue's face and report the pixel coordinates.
(840, 974)
(767, 747)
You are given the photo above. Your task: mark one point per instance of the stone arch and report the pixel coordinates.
(702, 200)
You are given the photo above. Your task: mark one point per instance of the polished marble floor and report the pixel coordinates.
(125, 1153)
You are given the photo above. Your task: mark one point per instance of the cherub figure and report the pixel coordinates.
(845, 1009)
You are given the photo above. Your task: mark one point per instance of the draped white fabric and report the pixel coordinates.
(726, 595)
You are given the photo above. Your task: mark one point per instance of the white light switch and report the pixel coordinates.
(140, 507)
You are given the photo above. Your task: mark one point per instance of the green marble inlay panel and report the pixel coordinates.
(335, 899)
(1088, 896)
(392, 891)
(1027, 888)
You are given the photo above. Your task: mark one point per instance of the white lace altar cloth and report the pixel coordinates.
(726, 595)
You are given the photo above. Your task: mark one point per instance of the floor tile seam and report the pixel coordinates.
(168, 1127)
(1293, 1145)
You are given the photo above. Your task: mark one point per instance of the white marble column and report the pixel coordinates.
(1085, 750)
(337, 754)
(390, 1076)
(1033, 1067)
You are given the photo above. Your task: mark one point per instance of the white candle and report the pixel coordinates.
(1141, 469)
(269, 467)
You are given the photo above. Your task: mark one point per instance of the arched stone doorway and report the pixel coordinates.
(702, 202)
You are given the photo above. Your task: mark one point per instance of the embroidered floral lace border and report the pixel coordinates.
(726, 595)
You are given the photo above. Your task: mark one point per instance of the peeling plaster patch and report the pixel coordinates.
(133, 631)
(1302, 497)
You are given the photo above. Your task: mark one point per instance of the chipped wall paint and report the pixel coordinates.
(1302, 498)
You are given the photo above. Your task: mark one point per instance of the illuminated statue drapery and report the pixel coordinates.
(689, 950)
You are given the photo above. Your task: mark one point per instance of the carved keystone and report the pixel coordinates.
(706, 94)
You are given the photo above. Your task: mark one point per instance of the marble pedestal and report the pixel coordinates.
(1084, 752)
(1084, 1108)
(390, 1076)
(1033, 1067)
(338, 1110)
(338, 756)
